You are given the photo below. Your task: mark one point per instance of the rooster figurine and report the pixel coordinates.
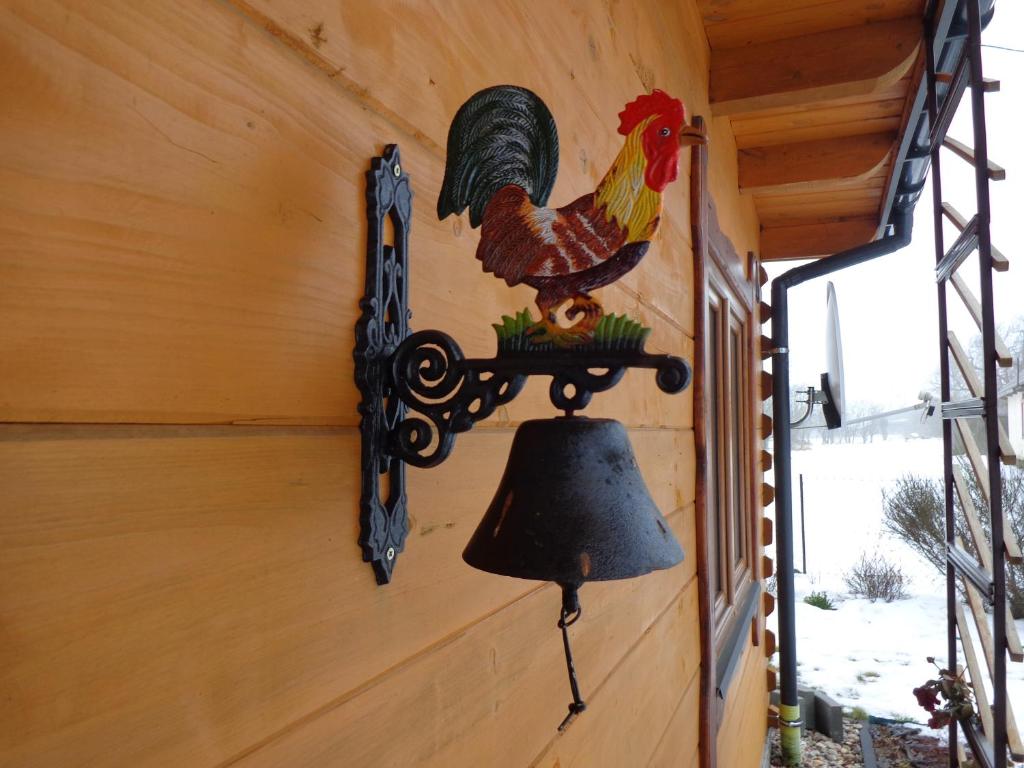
(502, 162)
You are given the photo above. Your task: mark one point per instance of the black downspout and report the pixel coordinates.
(789, 711)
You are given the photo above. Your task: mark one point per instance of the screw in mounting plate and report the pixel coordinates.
(390, 554)
(398, 171)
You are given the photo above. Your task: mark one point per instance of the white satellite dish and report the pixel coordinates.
(831, 397)
(833, 384)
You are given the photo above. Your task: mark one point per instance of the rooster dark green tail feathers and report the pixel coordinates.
(501, 135)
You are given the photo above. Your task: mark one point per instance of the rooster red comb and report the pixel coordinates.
(655, 103)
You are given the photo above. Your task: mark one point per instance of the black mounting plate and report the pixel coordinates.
(384, 325)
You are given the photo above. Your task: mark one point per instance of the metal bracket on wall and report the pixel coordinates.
(384, 325)
(397, 370)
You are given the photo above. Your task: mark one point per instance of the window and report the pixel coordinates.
(729, 428)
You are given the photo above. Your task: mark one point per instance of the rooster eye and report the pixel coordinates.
(665, 131)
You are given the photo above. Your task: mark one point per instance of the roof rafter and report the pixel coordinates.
(810, 165)
(809, 69)
(816, 238)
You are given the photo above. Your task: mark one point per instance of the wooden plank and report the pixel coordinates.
(812, 164)
(637, 699)
(1006, 452)
(855, 196)
(825, 123)
(977, 605)
(779, 212)
(210, 576)
(764, 389)
(1013, 738)
(212, 584)
(961, 150)
(1013, 643)
(806, 69)
(676, 747)
(1011, 545)
(984, 549)
(966, 367)
(988, 85)
(732, 23)
(974, 456)
(1003, 356)
(741, 734)
(507, 675)
(981, 543)
(974, 669)
(230, 293)
(770, 644)
(816, 239)
(999, 262)
(885, 103)
(836, 202)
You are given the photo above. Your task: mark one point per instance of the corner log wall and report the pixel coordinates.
(181, 209)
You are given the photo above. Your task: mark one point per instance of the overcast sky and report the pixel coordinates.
(888, 309)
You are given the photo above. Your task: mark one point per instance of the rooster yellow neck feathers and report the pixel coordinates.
(623, 194)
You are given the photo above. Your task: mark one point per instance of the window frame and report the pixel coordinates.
(732, 509)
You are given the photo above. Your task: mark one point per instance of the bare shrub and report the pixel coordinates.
(915, 513)
(876, 579)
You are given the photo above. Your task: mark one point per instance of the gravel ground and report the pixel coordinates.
(820, 751)
(895, 747)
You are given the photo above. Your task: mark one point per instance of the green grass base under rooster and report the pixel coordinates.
(613, 333)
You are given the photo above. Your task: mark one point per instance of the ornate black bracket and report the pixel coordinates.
(431, 377)
(427, 373)
(383, 325)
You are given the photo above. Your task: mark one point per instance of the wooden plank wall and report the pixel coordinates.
(741, 736)
(181, 239)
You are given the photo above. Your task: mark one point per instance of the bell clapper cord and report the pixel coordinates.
(571, 612)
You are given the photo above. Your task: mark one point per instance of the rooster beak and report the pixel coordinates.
(690, 135)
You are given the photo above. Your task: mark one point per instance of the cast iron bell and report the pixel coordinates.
(572, 507)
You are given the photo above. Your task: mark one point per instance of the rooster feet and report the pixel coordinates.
(547, 330)
(588, 306)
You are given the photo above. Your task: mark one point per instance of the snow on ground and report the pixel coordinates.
(868, 655)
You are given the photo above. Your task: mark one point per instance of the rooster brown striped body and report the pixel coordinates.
(502, 161)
